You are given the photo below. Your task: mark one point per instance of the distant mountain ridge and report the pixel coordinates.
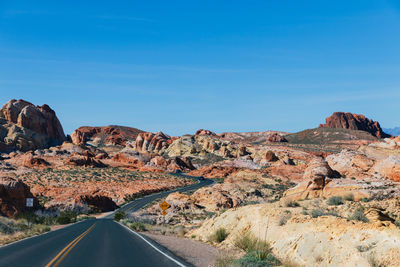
(393, 131)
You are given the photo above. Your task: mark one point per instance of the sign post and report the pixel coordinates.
(164, 206)
(29, 204)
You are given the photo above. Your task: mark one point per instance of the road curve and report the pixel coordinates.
(100, 242)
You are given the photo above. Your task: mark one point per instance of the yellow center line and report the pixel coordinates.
(68, 248)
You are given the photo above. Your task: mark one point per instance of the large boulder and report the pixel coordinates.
(354, 122)
(276, 138)
(86, 160)
(13, 195)
(24, 126)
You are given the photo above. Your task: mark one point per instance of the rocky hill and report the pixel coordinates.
(354, 122)
(107, 135)
(24, 126)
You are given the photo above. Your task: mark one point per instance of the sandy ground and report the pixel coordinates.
(196, 253)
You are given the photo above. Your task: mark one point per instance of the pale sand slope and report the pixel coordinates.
(323, 241)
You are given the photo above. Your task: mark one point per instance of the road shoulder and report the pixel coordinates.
(194, 252)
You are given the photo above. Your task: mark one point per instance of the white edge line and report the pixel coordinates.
(29, 237)
(144, 239)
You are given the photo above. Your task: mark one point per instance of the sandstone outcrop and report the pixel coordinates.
(214, 171)
(173, 165)
(87, 160)
(13, 194)
(107, 135)
(205, 147)
(97, 203)
(205, 132)
(24, 126)
(276, 138)
(307, 241)
(270, 156)
(354, 122)
(153, 143)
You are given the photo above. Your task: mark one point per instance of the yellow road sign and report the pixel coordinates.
(164, 212)
(164, 206)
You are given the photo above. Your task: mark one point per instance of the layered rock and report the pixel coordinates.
(205, 132)
(153, 143)
(206, 147)
(13, 194)
(354, 122)
(107, 135)
(24, 126)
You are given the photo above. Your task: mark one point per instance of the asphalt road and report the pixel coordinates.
(100, 242)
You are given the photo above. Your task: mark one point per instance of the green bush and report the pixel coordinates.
(119, 215)
(335, 200)
(292, 204)
(358, 215)
(66, 217)
(224, 261)
(246, 242)
(219, 235)
(138, 226)
(252, 259)
(315, 213)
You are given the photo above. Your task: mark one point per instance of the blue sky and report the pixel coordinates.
(178, 66)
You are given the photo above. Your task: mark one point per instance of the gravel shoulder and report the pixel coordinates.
(195, 252)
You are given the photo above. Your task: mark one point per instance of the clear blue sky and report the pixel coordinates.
(177, 66)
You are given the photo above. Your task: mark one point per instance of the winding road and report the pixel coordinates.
(96, 242)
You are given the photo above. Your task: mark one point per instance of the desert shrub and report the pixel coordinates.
(7, 226)
(66, 217)
(137, 226)
(39, 228)
(349, 197)
(315, 213)
(252, 259)
(292, 204)
(225, 261)
(358, 215)
(283, 220)
(119, 215)
(246, 242)
(397, 223)
(365, 199)
(219, 235)
(335, 200)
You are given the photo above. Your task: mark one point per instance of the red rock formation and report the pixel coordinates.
(276, 138)
(97, 202)
(87, 160)
(270, 156)
(354, 122)
(39, 120)
(214, 171)
(31, 162)
(173, 165)
(107, 135)
(205, 132)
(13, 194)
(150, 142)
